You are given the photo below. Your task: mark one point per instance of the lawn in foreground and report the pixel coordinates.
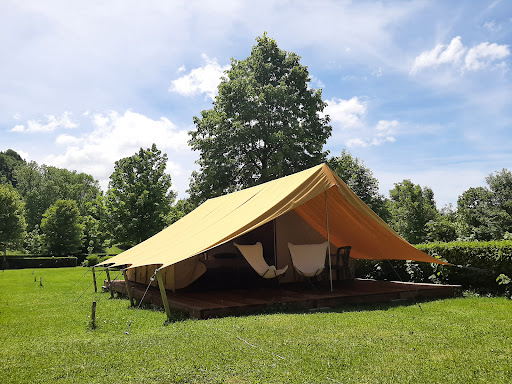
(45, 336)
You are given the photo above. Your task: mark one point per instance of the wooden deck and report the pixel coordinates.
(208, 304)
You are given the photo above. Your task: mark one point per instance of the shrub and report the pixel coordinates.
(16, 262)
(91, 260)
(477, 265)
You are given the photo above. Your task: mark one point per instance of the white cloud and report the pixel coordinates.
(384, 132)
(461, 58)
(441, 54)
(18, 128)
(204, 79)
(484, 54)
(115, 136)
(53, 123)
(491, 26)
(65, 139)
(346, 113)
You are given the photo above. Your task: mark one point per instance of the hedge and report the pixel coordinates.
(477, 265)
(20, 262)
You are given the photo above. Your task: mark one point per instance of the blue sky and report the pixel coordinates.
(418, 90)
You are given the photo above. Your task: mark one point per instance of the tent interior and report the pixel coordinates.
(224, 267)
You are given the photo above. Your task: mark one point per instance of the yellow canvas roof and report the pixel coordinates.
(222, 219)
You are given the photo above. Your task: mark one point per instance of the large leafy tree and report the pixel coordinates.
(62, 228)
(480, 218)
(12, 221)
(411, 208)
(361, 180)
(266, 122)
(9, 160)
(139, 198)
(41, 186)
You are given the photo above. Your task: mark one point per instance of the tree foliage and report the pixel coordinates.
(411, 208)
(485, 213)
(62, 229)
(361, 180)
(139, 198)
(265, 123)
(12, 221)
(41, 186)
(9, 160)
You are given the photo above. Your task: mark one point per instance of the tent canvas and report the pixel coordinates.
(309, 197)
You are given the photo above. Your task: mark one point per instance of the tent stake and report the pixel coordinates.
(328, 240)
(163, 293)
(94, 279)
(109, 284)
(128, 288)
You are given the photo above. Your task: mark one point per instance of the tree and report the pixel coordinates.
(265, 123)
(9, 160)
(12, 221)
(61, 227)
(41, 186)
(182, 208)
(360, 179)
(411, 208)
(500, 184)
(139, 198)
(444, 227)
(94, 224)
(479, 217)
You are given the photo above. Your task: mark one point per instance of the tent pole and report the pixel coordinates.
(328, 240)
(275, 244)
(173, 278)
(163, 293)
(128, 288)
(94, 279)
(109, 284)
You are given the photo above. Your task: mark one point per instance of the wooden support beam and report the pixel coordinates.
(173, 281)
(109, 284)
(163, 293)
(128, 288)
(94, 279)
(93, 315)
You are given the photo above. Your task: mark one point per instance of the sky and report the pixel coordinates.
(418, 90)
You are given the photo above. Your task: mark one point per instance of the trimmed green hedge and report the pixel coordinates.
(490, 255)
(19, 262)
(477, 265)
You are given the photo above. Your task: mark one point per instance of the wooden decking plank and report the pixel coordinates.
(230, 302)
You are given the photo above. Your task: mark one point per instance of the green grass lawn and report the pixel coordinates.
(45, 336)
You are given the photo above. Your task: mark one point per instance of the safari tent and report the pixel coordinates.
(310, 207)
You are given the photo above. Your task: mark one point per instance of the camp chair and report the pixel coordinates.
(308, 259)
(254, 256)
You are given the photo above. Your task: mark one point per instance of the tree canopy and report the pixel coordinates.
(485, 213)
(9, 160)
(411, 208)
(266, 122)
(61, 227)
(41, 186)
(139, 197)
(360, 179)
(12, 220)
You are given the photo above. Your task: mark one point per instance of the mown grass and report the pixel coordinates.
(46, 336)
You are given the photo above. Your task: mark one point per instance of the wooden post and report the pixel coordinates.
(109, 284)
(128, 288)
(94, 279)
(328, 240)
(41, 281)
(173, 281)
(93, 315)
(163, 293)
